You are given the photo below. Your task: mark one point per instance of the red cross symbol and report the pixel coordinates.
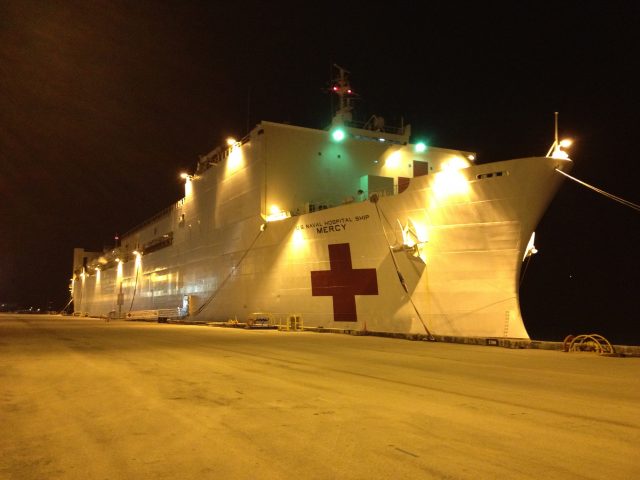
(343, 283)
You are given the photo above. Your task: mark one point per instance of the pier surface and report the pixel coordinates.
(83, 398)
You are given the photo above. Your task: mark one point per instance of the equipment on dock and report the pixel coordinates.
(588, 343)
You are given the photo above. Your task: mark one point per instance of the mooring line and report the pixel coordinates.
(381, 214)
(615, 198)
(233, 270)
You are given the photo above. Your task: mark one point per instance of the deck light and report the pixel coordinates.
(451, 180)
(557, 151)
(119, 272)
(231, 141)
(188, 185)
(277, 214)
(394, 160)
(138, 263)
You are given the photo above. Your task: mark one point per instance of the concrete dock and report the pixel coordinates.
(89, 399)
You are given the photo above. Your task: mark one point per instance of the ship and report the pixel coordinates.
(349, 228)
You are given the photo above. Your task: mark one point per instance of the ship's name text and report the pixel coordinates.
(333, 225)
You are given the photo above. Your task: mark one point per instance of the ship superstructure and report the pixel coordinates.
(350, 228)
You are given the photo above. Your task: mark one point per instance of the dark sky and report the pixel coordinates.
(103, 103)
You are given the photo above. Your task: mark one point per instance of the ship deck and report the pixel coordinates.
(86, 398)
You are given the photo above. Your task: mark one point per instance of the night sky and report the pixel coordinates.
(103, 103)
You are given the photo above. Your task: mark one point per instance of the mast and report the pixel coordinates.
(556, 148)
(342, 88)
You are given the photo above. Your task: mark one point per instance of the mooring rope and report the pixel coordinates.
(68, 303)
(395, 263)
(524, 271)
(615, 198)
(233, 270)
(135, 287)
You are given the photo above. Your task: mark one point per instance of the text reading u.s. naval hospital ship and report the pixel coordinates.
(351, 228)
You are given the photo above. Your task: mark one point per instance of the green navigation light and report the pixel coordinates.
(420, 147)
(338, 135)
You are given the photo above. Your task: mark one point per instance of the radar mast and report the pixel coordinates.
(342, 88)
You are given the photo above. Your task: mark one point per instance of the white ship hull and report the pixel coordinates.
(455, 236)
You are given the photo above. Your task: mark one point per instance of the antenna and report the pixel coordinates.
(554, 145)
